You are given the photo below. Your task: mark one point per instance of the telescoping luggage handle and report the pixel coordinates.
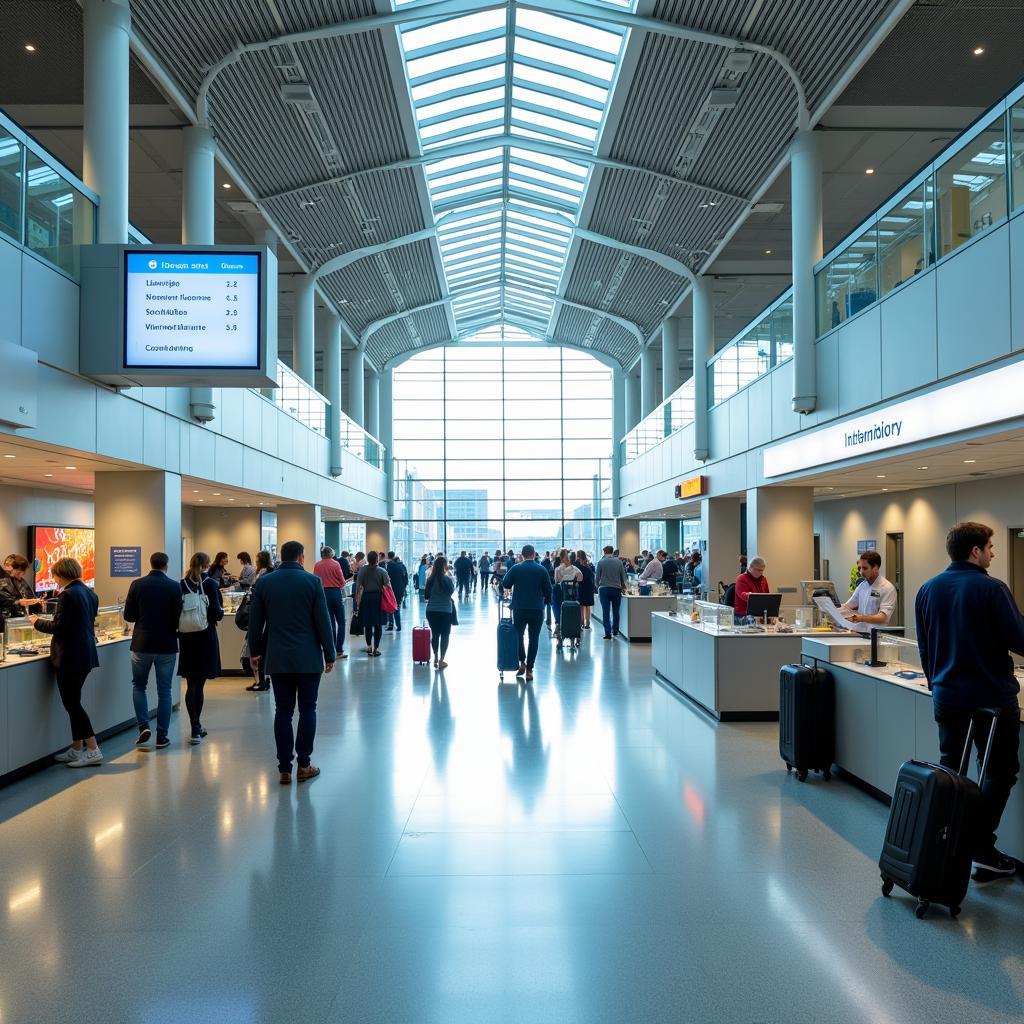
(504, 603)
(965, 759)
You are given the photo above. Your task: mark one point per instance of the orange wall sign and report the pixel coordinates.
(692, 488)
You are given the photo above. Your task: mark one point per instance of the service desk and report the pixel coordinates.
(883, 720)
(635, 614)
(230, 638)
(33, 722)
(731, 673)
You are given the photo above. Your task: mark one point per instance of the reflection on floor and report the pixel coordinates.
(589, 850)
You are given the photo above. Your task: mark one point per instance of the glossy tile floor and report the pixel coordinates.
(590, 850)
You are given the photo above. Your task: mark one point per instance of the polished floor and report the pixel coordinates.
(590, 850)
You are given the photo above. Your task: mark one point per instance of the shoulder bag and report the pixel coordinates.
(195, 606)
(388, 601)
(242, 611)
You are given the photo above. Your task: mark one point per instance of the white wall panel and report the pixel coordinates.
(72, 405)
(860, 361)
(974, 303)
(739, 437)
(718, 431)
(201, 453)
(230, 413)
(784, 420)
(909, 340)
(827, 361)
(50, 314)
(154, 441)
(759, 411)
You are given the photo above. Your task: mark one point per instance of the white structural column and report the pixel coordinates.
(386, 437)
(107, 24)
(805, 175)
(301, 523)
(669, 357)
(648, 381)
(197, 223)
(720, 533)
(303, 337)
(618, 430)
(373, 402)
(354, 368)
(632, 398)
(627, 537)
(703, 350)
(780, 528)
(328, 336)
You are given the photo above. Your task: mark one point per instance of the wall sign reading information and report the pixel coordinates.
(192, 309)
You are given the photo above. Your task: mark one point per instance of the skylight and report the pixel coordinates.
(524, 91)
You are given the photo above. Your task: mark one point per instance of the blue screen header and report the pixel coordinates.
(193, 263)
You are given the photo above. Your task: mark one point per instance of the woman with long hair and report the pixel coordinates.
(370, 583)
(199, 652)
(264, 563)
(73, 654)
(438, 592)
(587, 587)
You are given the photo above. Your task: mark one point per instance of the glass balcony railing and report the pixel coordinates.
(673, 414)
(361, 443)
(974, 184)
(43, 206)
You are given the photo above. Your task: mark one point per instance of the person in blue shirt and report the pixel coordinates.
(967, 623)
(531, 588)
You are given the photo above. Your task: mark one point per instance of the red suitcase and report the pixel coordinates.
(420, 645)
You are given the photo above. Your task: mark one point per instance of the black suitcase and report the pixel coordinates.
(570, 617)
(927, 849)
(807, 720)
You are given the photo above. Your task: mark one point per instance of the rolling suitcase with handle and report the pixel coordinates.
(927, 849)
(807, 720)
(508, 643)
(570, 618)
(421, 644)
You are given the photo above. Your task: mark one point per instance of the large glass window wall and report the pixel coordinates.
(496, 447)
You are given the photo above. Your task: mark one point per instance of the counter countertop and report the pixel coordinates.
(12, 660)
(734, 632)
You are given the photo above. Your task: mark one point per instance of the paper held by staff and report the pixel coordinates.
(826, 605)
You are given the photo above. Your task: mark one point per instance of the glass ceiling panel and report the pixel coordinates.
(505, 212)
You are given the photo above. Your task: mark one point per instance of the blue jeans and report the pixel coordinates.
(336, 611)
(395, 618)
(289, 687)
(555, 607)
(611, 599)
(164, 664)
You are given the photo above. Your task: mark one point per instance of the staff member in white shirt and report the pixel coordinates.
(874, 600)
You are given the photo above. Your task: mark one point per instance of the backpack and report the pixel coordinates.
(729, 597)
(194, 608)
(242, 612)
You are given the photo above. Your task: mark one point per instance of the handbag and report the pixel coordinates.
(356, 625)
(388, 602)
(455, 613)
(195, 605)
(242, 612)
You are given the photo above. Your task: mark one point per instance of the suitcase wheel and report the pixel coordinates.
(802, 775)
(826, 775)
(887, 884)
(789, 767)
(921, 909)
(501, 677)
(954, 911)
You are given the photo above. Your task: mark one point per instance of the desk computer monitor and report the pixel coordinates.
(764, 604)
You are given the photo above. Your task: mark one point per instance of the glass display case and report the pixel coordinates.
(232, 599)
(899, 654)
(713, 614)
(23, 640)
(684, 606)
(110, 624)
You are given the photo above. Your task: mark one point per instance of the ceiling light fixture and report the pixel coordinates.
(869, 170)
(10, 456)
(767, 252)
(969, 462)
(922, 467)
(880, 476)
(977, 51)
(30, 48)
(47, 474)
(71, 467)
(216, 494)
(227, 184)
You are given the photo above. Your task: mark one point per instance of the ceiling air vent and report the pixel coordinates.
(299, 94)
(723, 99)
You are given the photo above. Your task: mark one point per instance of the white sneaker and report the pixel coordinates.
(88, 759)
(67, 756)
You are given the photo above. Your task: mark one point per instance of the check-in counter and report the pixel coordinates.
(883, 720)
(33, 723)
(731, 672)
(635, 614)
(231, 639)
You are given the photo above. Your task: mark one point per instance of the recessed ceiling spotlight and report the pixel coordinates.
(885, 488)
(231, 499)
(202, 499)
(704, 206)
(767, 252)
(30, 48)
(968, 462)
(712, 202)
(869, 170)
(922, 467)
(977, 51)
(880, 476)
(227, 184)
(216, 494)
(71, 467)
(47, 474)
(10, 456)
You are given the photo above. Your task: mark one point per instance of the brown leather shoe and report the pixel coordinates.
(522, 669)
(286, 778)
(307, 773)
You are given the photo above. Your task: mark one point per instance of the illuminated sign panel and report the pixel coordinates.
(691, 488)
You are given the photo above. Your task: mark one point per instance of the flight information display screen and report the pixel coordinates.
(192, 310)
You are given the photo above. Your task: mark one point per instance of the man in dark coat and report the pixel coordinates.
(399, 576)
(290, 630)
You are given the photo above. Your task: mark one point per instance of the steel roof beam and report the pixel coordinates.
(507, 142)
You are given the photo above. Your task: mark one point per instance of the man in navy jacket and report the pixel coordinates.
(531, 588)
(967, 622)
(290, 629)
(154, 605)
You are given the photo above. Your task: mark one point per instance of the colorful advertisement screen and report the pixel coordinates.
(52, 543)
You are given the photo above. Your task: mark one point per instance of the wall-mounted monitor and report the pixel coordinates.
(179, 315)
(49, 544)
